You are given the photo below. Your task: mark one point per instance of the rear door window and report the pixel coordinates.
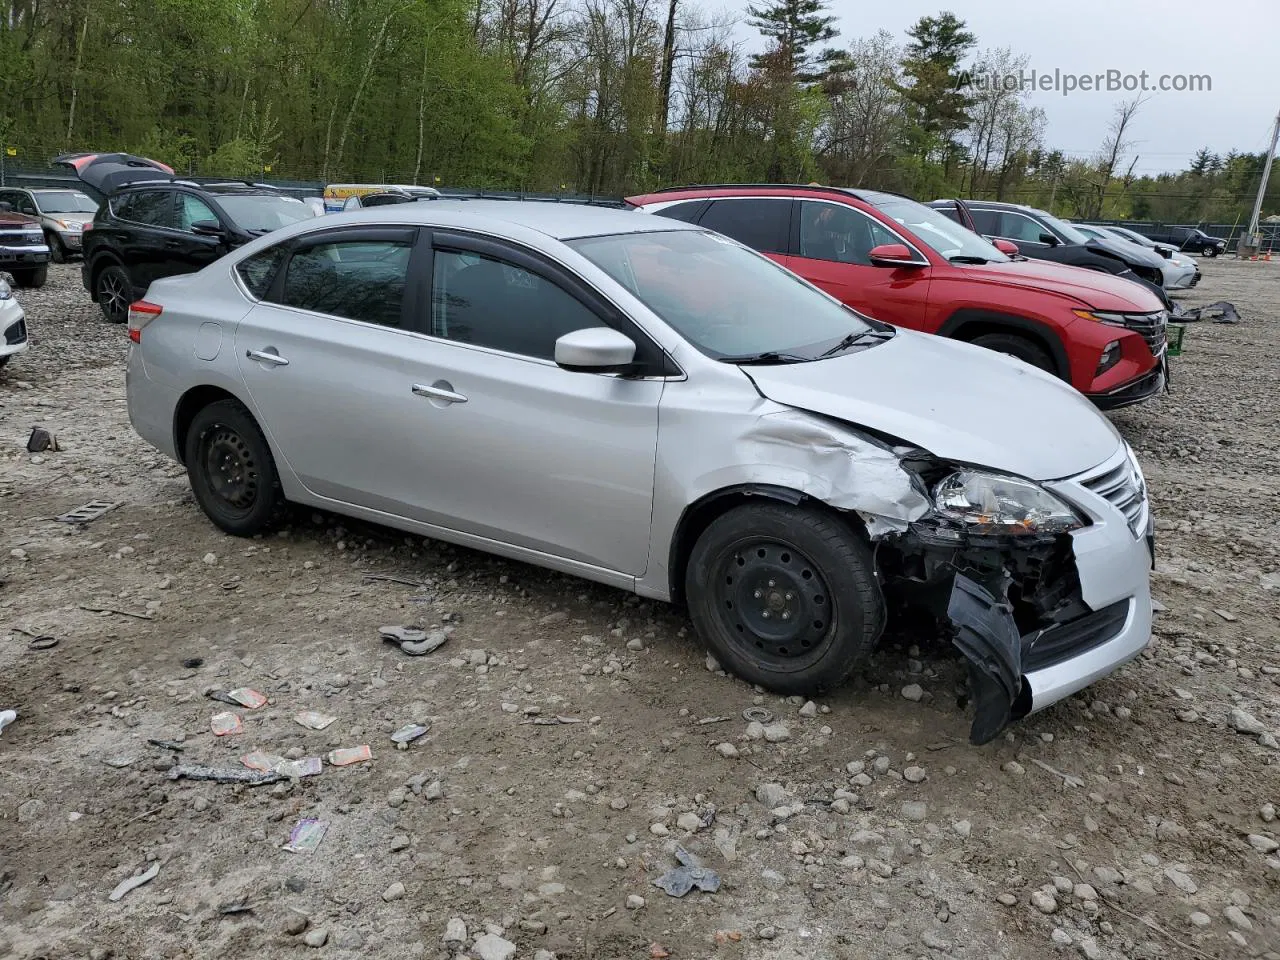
(354, 279)
(761, 223)
(986, 221)
(1022, 228)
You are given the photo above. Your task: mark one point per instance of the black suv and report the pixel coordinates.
(159, 228)
(1188, 240)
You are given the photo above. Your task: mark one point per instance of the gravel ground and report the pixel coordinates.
(1135, 820)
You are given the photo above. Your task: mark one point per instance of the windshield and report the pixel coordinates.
(938, 231)
(64, 201)
(1066, 230)
(727, 300)
(263, 214)
(1135, 237)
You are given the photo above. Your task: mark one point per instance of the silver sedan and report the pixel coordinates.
(656, 407)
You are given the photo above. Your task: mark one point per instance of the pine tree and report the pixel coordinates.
(795, 27)
(935, 95)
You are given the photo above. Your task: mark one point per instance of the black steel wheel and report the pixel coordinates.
(785, 596)
(114, 292)
(232, 472)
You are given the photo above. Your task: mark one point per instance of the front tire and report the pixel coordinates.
(232, 472)
(1020, 347)
(1210, 251)
(57, 252)
(114, 292)
(785, 597)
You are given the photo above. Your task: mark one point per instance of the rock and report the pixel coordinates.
(211, 559)
(913, 692)
(394, 892)
(399, 842)
(433, 790)
(1089, 947)
(659, 830)
(1084, 891)
(809, 710)
(713, 664)
(30, 811)
(1180, 880)
(294, 924)
(635, 643)
(880, 765)
(1107, 874)
(317, 937)
(1060, 936)
(1235, 916)
(1263, 844)
(490, 946)
(916, 810)
(767, 933)
(455, 931)
(841, 805)
(543, 955)
(1269, 741)
(1014, 767)
(777, 733)
(852, 862)
(1123, 713)
(854, 767)
(861, 780)
(935, 942)
(773, 878)
(1268, 812)
(618, 803)
(1199, 919)
(348, 938)
(771, 794)
(533, 926)
(880, 868)
(1044, 901)
(727, 750)
(1008, 899)
(962, 828)
(914, 774)
(755, 730)
(635, 902)
(689, 821)
(1063, 884)
(1244, 722)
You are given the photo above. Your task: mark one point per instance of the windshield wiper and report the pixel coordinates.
(862, 337)
(967, 258)
(769, 356)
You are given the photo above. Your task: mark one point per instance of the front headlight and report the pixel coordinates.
(5, 290)
(989, 503)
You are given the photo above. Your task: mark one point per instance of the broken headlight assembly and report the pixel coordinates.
(996, 505)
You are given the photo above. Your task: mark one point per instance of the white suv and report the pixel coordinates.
(653, 406)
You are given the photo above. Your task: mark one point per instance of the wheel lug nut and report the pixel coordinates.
(790, 595)
(786, 614)
(758, 594)
(773, 583)
(765, 614)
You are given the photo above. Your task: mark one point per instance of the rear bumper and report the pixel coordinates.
(152, 405)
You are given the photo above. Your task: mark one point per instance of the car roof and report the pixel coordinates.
(563, 221)
(230, 188)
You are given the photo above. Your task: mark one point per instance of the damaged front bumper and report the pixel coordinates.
(1037, 617)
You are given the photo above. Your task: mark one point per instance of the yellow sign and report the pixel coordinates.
(267, 168)
(11, 151)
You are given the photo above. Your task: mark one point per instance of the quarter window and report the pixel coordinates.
(759, 223)
(490, 303)
(355, 279)
(686, 211)
(256, 271)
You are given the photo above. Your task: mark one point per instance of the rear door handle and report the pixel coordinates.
(267, 357)
(434, 392)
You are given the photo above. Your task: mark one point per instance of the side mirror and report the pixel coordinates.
(595, 350)
(1049, 239)
(892, 255)
(207, 228)
(1007, 247)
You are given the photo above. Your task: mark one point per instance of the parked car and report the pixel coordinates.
(62, 214)
(1179, 272)
(13, 324)
(1166, 250)
(1042, 236)
(1188, 239)
(654, 406)
(905, 263)
(350, 196)
(23, 253)
(381, 198)
(155, 229)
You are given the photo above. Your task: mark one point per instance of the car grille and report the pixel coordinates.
(16, 334)
(20, 238)
(1151, 326)
(1120, 483)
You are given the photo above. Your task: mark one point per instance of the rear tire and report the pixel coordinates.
(114, 292)
(33, 278)
(232, 472)
(785, 597)
(1018, 346)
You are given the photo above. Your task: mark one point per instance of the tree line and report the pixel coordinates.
(586, 96)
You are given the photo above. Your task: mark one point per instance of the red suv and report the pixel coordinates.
(907, 264)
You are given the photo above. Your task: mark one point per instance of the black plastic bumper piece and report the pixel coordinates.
(988, 637)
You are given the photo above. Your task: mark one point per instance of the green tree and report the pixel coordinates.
(935, 89)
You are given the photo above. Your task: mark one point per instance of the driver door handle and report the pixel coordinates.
(438, 393)
(267, 357)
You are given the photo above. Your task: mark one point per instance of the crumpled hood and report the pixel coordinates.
(957, 401)
(1091, 288)
(1130, 253)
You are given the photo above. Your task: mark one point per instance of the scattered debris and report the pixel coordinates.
(387, 578)
(191, 663)
(757, 715)
(265, 762)
(348, 755)
(7, 717)
(306, 767)
(222, 697)
(306, 836)
(1223, 311)
(250, 699)
(118, 613)
(223, 724)
(230, 909)
(414, 641)
(124, 886)
(251, 778)
(408, 733)
(45, 641)
(88, 512)
(550, 721)
(42, 440)
(691, 873)
(1227, 615)
(706, 720)
(173, 745)
(120, 761)
(1067, 779)
(312, 720)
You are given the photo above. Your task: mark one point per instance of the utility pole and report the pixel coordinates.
(1251, 236)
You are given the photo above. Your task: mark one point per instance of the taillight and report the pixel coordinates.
(140, 314)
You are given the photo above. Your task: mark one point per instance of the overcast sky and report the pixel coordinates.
(1235, 42)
